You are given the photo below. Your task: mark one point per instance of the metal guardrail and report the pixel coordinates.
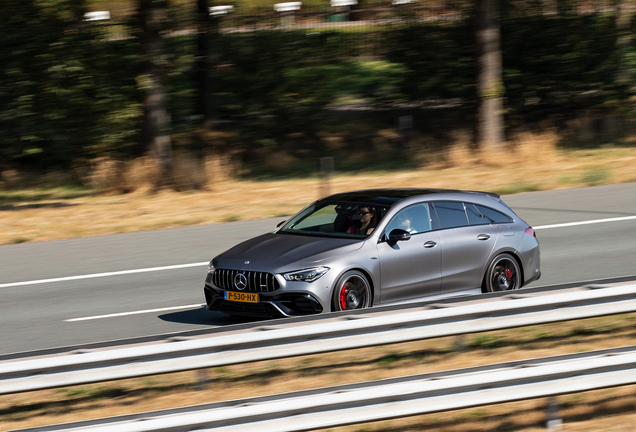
(392, 398)
(351, 331)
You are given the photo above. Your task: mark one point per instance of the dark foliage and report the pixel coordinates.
(558, 66)
(70, 91)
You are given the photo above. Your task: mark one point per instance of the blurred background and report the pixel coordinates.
(254, 105)
(90, 89)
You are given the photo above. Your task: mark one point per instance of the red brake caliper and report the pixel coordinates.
(343, 303)
(508, 274)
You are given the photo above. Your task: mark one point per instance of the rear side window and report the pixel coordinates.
(474, 216)
(451, 214)
(493, 216)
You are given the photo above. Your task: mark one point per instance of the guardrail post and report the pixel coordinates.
(553, 416)
(202, 379)
(460, 343)
(405, 125)
(326, 171)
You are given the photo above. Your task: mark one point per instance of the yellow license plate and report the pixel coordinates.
(241, 297)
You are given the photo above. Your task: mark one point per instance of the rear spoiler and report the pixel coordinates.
(490, 194)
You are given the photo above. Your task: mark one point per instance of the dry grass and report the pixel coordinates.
(210, 191)
(601, 410)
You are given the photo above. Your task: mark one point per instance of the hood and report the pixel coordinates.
(283, 249)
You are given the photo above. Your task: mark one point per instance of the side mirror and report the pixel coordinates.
(280, 223)
(398, 235)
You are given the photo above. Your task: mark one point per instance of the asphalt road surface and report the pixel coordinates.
(78, 291)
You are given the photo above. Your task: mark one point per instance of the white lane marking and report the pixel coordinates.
(133, 313)
(180, 266)
(587, 222)
(97, 275)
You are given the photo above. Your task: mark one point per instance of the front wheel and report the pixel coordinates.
(503, 274)
(352, 291)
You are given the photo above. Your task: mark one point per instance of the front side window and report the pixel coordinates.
(414, 219)
(450, 214)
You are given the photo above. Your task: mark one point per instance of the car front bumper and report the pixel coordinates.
(270, 305)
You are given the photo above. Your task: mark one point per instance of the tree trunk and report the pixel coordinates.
(203, 62)
(623, 41)
(490, 90)
(157, 120)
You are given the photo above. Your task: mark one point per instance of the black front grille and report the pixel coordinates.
(256, 281)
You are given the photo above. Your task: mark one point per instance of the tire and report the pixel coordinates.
(352, 291)
(503, 274)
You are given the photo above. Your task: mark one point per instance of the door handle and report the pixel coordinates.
(483, 237)
(430, 244)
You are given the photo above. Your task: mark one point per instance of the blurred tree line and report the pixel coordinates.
(72, 91)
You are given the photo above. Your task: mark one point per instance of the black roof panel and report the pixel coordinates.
(390, 196)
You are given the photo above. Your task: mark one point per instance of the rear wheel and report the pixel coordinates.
(503, 274)
(352, 291)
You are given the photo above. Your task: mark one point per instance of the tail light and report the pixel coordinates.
(530, 231)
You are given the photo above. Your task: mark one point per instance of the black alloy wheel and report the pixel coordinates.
(352, 291)
(503, 274)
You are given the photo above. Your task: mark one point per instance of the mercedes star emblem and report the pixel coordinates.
(240, 281)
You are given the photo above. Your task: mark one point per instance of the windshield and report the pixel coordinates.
(336, 219)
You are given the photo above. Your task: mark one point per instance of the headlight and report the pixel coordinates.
(211, 267)
(307, 275)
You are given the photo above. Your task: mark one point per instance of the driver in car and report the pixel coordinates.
(365, 222)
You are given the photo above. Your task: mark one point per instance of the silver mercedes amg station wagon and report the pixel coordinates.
(375, 247)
